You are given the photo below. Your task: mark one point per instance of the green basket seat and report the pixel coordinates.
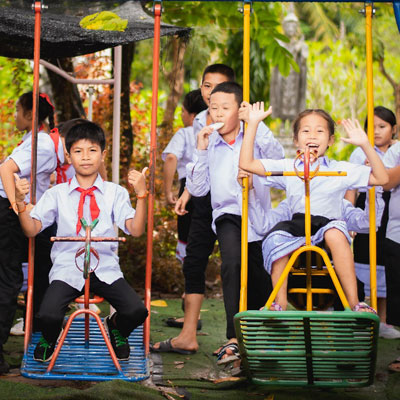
(303, 348)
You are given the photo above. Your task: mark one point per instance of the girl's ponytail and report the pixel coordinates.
(46, 108)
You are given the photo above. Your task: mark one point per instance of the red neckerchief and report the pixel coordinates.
(94, 209)
(61, 168)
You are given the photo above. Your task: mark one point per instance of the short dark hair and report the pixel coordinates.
(85, 131)
(194, 103)
(230, 87)
(220, 69)
(383, 113)
(65, 126)
(321, 113)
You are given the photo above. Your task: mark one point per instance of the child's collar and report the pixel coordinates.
(73, 183)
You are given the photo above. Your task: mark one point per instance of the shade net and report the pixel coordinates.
(61, 34)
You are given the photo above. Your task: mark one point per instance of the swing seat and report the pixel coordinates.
(76, 362)
(310, 348)
(323, 290)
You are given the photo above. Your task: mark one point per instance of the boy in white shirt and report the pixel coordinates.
(176, 155)
(87, 195)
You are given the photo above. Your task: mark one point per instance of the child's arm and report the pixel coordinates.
(30, 226)
(269, 147)
(394, 178)
(247, 162)
(357, 136)
(7, 171)
(136, 225)
(357, 219)
(180, 206)
(170, 165)
(197, 172)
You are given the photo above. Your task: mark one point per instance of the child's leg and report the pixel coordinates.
(259, 282)
(229, 239)
(392, 270)
(53, 308)
(278, 267)
(12, 247)
(131, 311)
(343, 262)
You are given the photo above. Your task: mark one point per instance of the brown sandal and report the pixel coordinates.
(394, 366)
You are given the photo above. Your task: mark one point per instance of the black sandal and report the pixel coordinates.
(173, 323)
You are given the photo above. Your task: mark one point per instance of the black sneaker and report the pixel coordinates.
(44, 350)
(4, 367)
(118, 342)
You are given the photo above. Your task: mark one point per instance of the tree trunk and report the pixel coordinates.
(397, 100)
(67, 100)
(396, 93)
(126, 145)
(176, 79)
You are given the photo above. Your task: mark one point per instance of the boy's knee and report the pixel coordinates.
(48, 317)
(334, 235)
(138, 313)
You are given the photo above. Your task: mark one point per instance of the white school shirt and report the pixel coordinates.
(216, 170)
(358, 157)
(391, 160)
(265, 138)
(181, 145)
(327, 192)
(357, 219)
(60, 204)
(46, 162)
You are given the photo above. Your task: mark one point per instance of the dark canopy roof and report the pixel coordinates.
(61, 35)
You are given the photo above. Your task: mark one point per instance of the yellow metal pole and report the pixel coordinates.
(245, 190)
(370, 108)
(308, 243)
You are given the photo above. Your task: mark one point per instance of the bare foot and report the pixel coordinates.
(178, 343)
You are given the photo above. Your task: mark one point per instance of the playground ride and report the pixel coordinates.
(284, 328)
(83, 352)
(308, 348)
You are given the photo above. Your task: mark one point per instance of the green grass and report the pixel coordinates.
(197, 377)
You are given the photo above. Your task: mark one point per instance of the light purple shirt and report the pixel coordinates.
(216, 170)
(327, 193)
(391, 160)
(46, 162)
(357, 219)
(181, 145)
(60, 204)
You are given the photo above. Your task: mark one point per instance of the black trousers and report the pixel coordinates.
(12, 250)
(259, 282)
(43, 266)
(184, 221)
(200, 245)
(130, 309)
(392, 271)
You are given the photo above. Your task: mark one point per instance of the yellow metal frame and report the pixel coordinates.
(372, 235)
(245, 189)
(370, 118)
(308, 248)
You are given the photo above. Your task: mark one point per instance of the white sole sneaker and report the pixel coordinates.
(388, 331)
(18, 328)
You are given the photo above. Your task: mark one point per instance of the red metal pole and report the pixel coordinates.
(35, 111)
(152, 168)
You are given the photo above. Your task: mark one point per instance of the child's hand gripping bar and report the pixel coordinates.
(87, 250)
